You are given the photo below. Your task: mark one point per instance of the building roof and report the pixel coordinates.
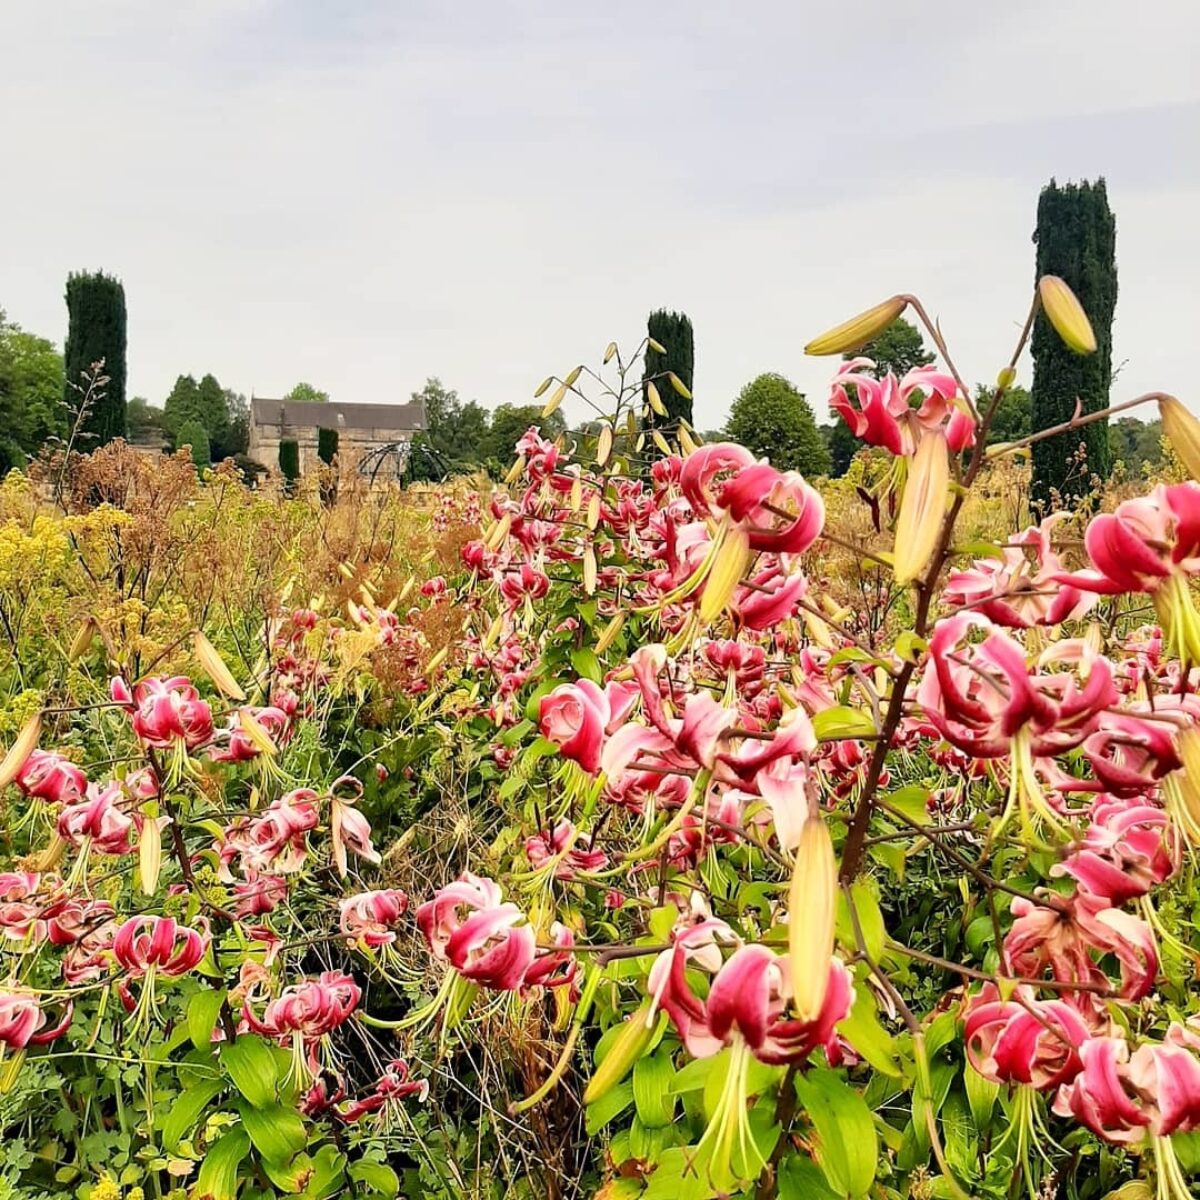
(332, 415)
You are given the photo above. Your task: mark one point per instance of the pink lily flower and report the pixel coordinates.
(23, 1021)
(274, 842)
(20, 910)
(148, 944)
(368, 919)
(1013, 591)
(1024, 1040)
(167, 712)
(348, 828)
(307, 1011)
(467, 924)
(1063, 942)
(1150, 544)
(574, 717)
(98, 820)
(46, 775)
(554, 968)
(239, 747)
(1127, 850)
(541, 848)
(881, 413)
(259, 894)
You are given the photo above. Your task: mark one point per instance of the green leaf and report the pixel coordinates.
(218, 1178)
(329, 1169)
(801, 1179)
(870, 919)
(864, 1032)
(981, 1097)
(277, 1132)
(378, 1177)
(909, 646)
(584, 660)
(202, 1012)
(610, 1105)
(849, 1145)
(185, 1111)
(651, 1090)
(913, 802)
(840, 722)
(251, 1065)
(692, 1076)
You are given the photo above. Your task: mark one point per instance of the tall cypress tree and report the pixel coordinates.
(673, 332)
(1076, 239)
(96, 330)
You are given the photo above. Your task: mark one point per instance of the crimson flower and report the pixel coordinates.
(47, 775)
(23, 1021)
(368, 918)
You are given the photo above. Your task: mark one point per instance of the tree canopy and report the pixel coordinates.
(673, 332)
(304, 392)
(1076, 239)
(771, 418)
(31, 392)
(96, 333)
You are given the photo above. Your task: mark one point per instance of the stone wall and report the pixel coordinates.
(265, 439)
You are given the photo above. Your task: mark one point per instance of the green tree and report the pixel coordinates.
(1135, 443)
(1076, 239)
(236, 437)
(31, 392)
(193, 435)
(95, 333)
(1012, 419)
(327, 445)
(210, 398)
(841, 444)
(306, 392)
(899, 348)
(673, 332)
(457, 433)
(182, 405)
(771, 418)
(509, 423)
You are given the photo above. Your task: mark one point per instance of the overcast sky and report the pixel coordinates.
(364, 193)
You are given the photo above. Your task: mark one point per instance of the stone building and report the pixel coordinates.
(379, 434)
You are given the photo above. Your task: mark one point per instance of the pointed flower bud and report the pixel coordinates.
(214, 667)
(631, 1043)
(731, 560)
(812, 911)
(1183, 432)
(858, 331)
(22, 747)
(150, 855)
(1066, 314)
(922, 506)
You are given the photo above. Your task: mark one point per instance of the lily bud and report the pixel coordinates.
(215, 668)
(1066, 314)
(22, 747)
(1183, 432)
(589, 570)
(812, 912)
(922, 507)
(51, 855)
(604, 445)
(630, 1044)
(1006, 378)
(858, 331)
(731, 558)
(82, 641)
(1188, 744)
(150, 855)
(256, 735)
(610, 631)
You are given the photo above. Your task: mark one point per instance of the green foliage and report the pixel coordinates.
(456, 434)
(327, 445)
(289, 459)
(673, 332)
(235, 437)
(31, 390)
(841, 444)
(210, 400)
(96, 332)
(899, 348)
(509, 424)
(773, 419)
(182, 405)
(193, 435)
(306, 392)
(1076, 240)
(1012, 419)
(1135, 443)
